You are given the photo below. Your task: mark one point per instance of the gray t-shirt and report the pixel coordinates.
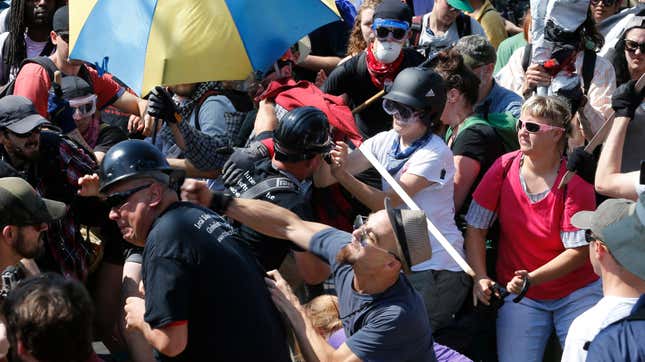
(390, 326)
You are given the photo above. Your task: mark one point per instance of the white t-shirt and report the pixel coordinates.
(450, 37)
(434, 162)
(584, 328)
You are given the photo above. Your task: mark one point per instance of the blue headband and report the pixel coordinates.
(390, 23)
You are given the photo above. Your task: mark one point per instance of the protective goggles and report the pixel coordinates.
(117, 199)
(406, 114)
(384, 27)
(83, 106)
(631, 46)
(533, 127)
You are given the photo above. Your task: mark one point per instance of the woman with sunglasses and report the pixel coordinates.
(422, 164)
(628, 56)
(537, 242)
(475, 145)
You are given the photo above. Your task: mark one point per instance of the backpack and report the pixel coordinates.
(504, 125)
(47, 50)
(588, 65)
(50, 67)
(463, 27)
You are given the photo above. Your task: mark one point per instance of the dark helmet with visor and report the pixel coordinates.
(302, 134)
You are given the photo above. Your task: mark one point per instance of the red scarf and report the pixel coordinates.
(379, 72)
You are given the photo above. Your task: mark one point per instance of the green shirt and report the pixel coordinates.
(506, 49)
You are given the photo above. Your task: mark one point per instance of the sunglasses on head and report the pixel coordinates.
(117, 199)
(24, 135)
(631, 46)
(604, 2)
(64, 35)
(382, 32)
(533, 127)
(405, 113)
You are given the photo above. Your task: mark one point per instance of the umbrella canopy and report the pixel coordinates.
(150, 42)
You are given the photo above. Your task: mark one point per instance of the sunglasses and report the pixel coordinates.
(36, 130)
(382, 32)
(83, 107)
(64, 36)
(631, 46)
(533, 127)
(604, 2)
(405, 113)
(359, 223)
(117, 199)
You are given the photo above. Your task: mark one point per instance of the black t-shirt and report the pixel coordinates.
(108, 137)
(269, 251)
(328, 41)
(353, 78)
(481, 143)
(194, 270)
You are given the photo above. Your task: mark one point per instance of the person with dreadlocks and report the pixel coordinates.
(29, 25)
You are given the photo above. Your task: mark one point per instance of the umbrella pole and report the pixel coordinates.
(413, 206)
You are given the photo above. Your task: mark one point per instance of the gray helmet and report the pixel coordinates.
(419, 88)
(132, 159)
(301, 134)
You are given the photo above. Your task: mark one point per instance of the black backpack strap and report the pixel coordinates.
(416, 28)
(48, 49)
(463, 25)
(588, 67)
(526, 56)
(44, 62)
(7, 67)
(268, 185)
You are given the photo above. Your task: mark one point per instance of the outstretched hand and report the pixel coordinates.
(339, 155)
(89, 185)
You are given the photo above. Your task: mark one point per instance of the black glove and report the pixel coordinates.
(583, 163)
(220, 201)
(161, 105)
(575, 96)
(626, 99)
(242, 159)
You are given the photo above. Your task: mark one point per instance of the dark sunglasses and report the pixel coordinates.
(533, 127)
(604, 2)
(117, 199)
(397, 33)
(631, 46)
(64, 35)
(24, 135)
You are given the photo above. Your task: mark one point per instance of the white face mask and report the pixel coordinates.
(387, 51)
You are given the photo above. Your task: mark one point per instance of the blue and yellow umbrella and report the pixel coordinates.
(150, 42)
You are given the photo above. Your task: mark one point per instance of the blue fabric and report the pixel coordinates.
(347, 11)
(390, 23)
(523, 328)
(422, 7)
(397, 158)
(391, 326)
(263, 37)
(501, 100)
(105, 25)
(621, 341)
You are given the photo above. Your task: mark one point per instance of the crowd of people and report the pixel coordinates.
(398, 186)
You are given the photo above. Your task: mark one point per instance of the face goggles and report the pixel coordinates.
(405, 113)
(83, 106)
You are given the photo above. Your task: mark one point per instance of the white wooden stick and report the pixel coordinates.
(413, 206)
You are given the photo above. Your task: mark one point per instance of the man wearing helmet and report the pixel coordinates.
(191, 258)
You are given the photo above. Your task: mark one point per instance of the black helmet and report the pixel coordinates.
(136, 159)
(301, 134)
(420, 88)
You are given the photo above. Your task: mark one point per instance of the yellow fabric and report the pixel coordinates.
(187, 54)
(332, 5)
(79, 10)
(492, 22)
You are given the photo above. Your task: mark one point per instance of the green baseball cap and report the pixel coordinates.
(463, 5)
(21, 205)
(620, 224)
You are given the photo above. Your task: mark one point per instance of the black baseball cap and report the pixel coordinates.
(21, 205)
(73, 87)
(18, 114)
(61, 19)
(393, 10)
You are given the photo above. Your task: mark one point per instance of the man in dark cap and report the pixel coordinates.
(24, 216)
(367, 73)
